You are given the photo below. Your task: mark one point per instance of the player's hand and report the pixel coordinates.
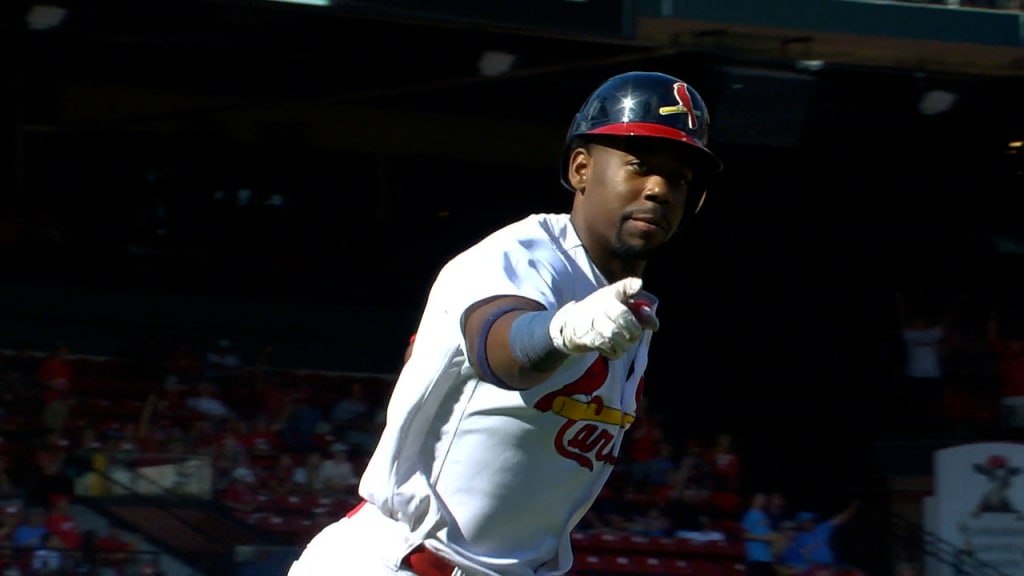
(603, 321)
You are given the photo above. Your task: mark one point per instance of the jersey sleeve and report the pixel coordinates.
(500, 267)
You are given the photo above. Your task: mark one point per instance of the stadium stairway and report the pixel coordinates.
(199, 534)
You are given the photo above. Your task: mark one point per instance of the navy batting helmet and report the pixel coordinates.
(647, 104)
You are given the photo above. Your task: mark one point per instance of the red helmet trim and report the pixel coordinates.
(645, 129)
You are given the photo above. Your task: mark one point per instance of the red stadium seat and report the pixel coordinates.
(589, 563)
(661, 566)
(652, 565)
(728, 568)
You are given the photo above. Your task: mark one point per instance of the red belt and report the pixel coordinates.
(422, 561)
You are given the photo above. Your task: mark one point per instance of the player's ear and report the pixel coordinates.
(580, 162)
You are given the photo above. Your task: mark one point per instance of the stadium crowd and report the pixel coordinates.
(286, 449)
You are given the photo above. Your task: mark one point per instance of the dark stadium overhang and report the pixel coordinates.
(351, 77)
(216, 54)
(792, 47)
(344, 78)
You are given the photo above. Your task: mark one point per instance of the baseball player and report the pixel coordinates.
(508, 417)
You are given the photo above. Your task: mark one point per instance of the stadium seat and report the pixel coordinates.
(588, 563)
(734, 568)
(646, 565)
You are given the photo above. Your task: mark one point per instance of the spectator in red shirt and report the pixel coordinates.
(644, 438)
(114, 551)
(261, 442)
(60, 522)
(725, 464)
(243, 494)
(54, 376)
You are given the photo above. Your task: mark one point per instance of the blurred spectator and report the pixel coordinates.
(813, 540)
(337, 473)
(706, 532)
(307, 477)
(642, 444)
(1008, 347)
(201, 439)
(724, 462)
(222, 362)
(260, 441)
(207, 402)
(651, 522)
(790, 558)
(302, 423)
(31, 530)
(48, 560)
(661, 470)
(691, 488)
(274, 399)
(125, 439)
(591, 523)
(279, 479)
(352, 420)
(231, 449)
(61, 523)
(362, 435)
(183, 367)
(924, 330)
(758, 537)
(114, 551)
(50, 477)
(54, 376)
(693, 472)
(90, 460)
(349, 408)
(242, 494)
(776, 509)
(163, 405)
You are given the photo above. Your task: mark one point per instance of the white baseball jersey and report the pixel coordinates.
(489, 477)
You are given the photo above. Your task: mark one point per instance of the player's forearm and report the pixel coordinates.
(516, 342)
(517, 359)
(520, 350)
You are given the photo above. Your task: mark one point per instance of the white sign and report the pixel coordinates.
(978, 503)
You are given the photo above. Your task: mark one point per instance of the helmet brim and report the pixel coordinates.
(705, 162)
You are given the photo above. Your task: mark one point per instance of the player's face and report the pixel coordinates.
(634, 194)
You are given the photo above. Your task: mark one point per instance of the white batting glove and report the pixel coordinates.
(602, 321)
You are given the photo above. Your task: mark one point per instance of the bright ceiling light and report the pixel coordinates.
(45, 16)
(495, 63)
(936, 102)
(306, 2)
(810, 65)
